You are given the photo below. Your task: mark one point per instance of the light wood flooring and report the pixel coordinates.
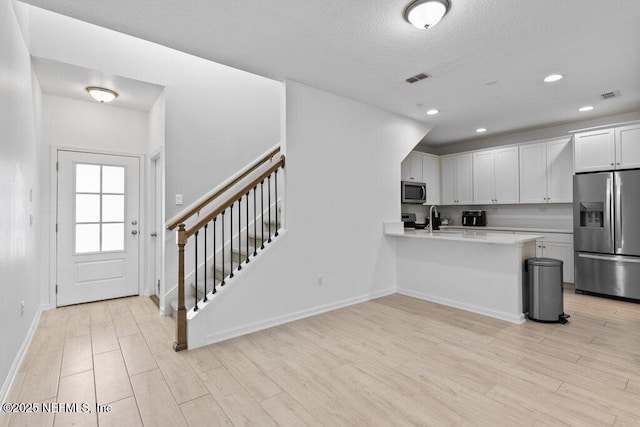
(392, 361)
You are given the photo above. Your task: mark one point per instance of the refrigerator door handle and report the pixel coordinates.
(611, 258)
(610, 220)
(618, 223)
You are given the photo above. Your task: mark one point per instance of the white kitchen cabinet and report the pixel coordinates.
(431, 176)
(627, 147)
(546, 172)
(608, 149)
(484, 177)
(457, 179)
(495, 176)
(411, 167)
(558, 250)
(560, 171)
(595, 150)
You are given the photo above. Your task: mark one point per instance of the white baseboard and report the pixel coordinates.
(512, 318)
(17, 362)
(279, 320)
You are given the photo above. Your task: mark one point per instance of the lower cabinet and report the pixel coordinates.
(558, 250)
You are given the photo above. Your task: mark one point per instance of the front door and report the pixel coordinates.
(97, 222)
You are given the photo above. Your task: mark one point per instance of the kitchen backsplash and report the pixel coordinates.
(557, 215)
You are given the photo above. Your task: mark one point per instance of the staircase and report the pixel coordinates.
(223, 234)
(217, 272)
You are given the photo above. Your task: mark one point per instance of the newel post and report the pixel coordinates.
(181, 319)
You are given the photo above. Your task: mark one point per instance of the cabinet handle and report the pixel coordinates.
(612, 164)
(618, 163)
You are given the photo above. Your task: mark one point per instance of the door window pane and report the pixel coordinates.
(99, 208)
(113, 179)
(112, 237)
(88, 208)
(87, 238)
(87, 178)
(112, 208)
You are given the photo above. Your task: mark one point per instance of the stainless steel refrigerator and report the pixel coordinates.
(606, 222)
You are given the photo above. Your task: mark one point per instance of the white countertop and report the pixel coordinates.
(515, 229)
(398, 230)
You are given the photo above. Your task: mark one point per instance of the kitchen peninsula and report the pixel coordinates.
(480, 272)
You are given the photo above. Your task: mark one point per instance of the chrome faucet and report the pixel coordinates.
(431, 209)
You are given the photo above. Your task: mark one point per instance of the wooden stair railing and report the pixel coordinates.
(186, 234)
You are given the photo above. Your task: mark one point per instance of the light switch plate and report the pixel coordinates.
(178, 199)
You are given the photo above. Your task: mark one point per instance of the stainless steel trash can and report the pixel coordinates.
(544, 290)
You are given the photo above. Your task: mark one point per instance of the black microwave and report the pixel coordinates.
(414, 192)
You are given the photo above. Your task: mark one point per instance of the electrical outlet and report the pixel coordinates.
(21, 308)
(178, 199)
(320, 282)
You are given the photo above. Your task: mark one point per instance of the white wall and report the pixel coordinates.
(156, 125)
(69, 122)
(218, 119)
(21, 153)
(343, 159)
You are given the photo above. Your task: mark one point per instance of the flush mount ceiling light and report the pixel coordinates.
(432, 112)
(101, 94)
(424, 14)
(553, 78)
(481, 130)
(586, 108)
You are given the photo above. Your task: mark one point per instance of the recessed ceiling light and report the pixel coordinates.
(424, 14)
(101, 94)
(432, 112)
(553, 78)
(481, 130)
(586, 108)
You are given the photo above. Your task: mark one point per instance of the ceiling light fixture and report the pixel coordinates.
(424, 14)
(553, 78)
(586, 108)
(481, 130)
(432, 112)
(101, 94)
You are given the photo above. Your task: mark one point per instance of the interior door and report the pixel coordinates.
(156, 232)
(97, 220)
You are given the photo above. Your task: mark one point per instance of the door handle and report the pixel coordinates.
(134, 232)
(154, 234)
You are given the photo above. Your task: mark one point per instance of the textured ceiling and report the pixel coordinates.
(363, 49)
(70, 81)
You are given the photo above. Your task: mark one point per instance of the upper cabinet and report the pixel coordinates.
(457, 179)
(411, 167)
(495, 176)
(607, 149)
(595, 150)
(423, 167)
(627, 147)
(431, 176)
(546, 172)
